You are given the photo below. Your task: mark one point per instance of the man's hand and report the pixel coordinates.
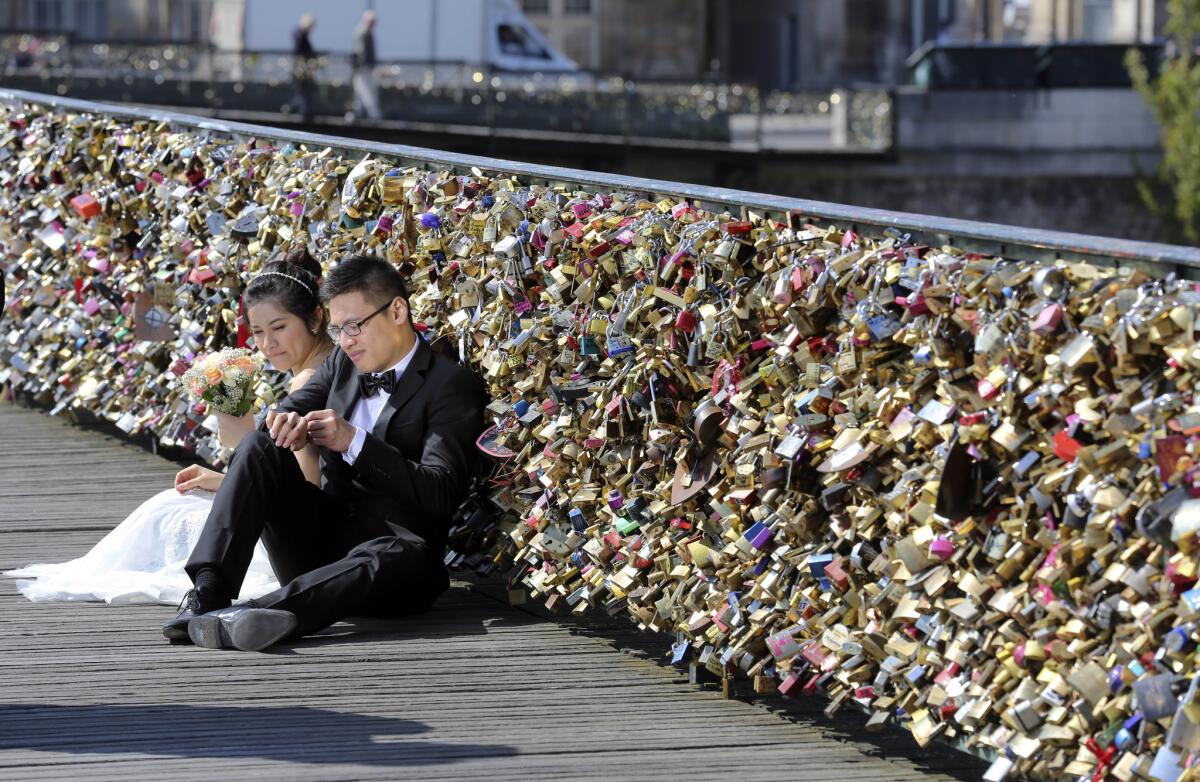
(288, 430)
(329, 430)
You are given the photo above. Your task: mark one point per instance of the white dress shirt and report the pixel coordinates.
(367, 411)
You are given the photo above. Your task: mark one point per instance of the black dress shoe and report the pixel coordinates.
(247, 628)
(194, 603)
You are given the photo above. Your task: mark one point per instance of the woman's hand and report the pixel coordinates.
(231, 429)
(197, 477)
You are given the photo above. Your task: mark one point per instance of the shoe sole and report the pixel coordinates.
(250, 631)
(176, 634)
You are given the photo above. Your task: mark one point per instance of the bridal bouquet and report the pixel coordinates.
(225, 380)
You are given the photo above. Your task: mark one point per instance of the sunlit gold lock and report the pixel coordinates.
(429, 243)
(467, 293)
(391, 187)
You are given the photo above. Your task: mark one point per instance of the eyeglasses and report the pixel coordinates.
(352, 328)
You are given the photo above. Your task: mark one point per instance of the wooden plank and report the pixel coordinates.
(473, 688)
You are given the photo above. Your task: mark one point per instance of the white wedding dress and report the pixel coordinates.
(142, 559)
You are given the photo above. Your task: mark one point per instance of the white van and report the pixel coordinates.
(492, 34)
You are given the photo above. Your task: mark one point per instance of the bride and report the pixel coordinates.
(142, 559)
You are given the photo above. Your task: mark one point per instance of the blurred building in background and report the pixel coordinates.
(779, 44)
(817, 44)
(1017, 111)
(667, 39)
(179, 21)
(1037, 21)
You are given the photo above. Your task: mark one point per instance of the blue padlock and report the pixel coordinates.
(1179, 639)
(1115, 682)
(578, 521)
(816, 564)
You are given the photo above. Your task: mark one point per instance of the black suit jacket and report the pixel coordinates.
(416, 464)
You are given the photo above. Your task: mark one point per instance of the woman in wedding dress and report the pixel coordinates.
(142, 559)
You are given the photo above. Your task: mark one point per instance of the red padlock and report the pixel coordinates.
(600, 249)
(811, 685)
(835, 573)
(791, 685)
(202, 275)
(86, 206)
(685, 321)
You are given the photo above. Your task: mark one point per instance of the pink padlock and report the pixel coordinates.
(1048, 319)
(917, 305)
(679, 210)
(91, 306)
(941, 547)
(783, 290)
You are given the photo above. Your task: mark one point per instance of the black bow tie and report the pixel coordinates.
(370, 383)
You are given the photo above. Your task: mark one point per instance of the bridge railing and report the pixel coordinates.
(458, 92)
(990, 238)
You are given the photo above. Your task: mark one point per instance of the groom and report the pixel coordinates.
(396, 424)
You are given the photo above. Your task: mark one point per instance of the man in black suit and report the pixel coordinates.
(396, 424)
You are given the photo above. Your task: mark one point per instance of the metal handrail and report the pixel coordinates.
(991, 238)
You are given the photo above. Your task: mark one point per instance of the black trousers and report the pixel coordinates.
(331, 562)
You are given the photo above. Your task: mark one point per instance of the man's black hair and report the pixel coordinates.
(377, 280)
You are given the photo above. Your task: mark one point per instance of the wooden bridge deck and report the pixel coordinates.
(89, 691)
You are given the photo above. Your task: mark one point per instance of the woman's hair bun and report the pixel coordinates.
(301, 257)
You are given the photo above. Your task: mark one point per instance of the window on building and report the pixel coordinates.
(945, 19)
(792, 74)
(577, 44)
(197, 17)
(536, 6)
(1097, 20)
(48, 15)
(183, 20)
(1015, 18)
(153, 21)
(577, 6)
(89, 19)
